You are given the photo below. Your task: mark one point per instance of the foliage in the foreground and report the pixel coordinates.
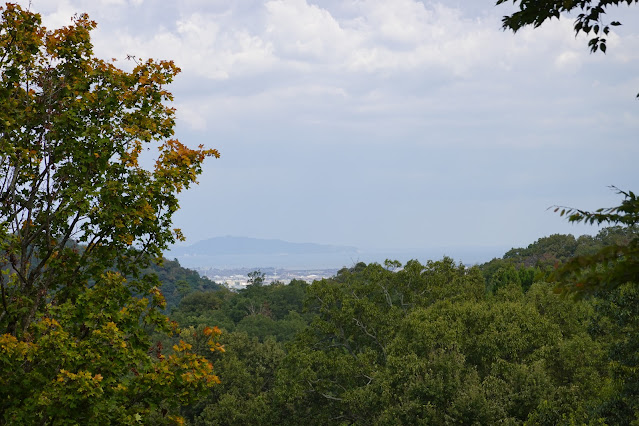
(590, 18)
(612, 265)
(89, 362)
(561, 258)
(75, 205)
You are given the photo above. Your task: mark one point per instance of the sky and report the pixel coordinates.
(384, 124)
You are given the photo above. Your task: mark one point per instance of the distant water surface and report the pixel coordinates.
(469, 256)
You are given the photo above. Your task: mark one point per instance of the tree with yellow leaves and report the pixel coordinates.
(75, 206)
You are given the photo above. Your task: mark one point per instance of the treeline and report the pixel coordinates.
(433, 343)
(537, 261)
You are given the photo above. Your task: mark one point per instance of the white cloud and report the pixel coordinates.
(193, 116)
(401, 21)
(55, 15)
(219, 41)
(569, 60)
(209, 50)
(303, 32)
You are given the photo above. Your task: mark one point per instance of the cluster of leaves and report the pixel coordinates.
(535, 13)
(589, 20)
(76, 205)
(611, 265)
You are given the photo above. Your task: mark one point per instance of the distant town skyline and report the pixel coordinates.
(384, 125)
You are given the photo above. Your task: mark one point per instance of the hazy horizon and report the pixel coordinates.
(306, 260)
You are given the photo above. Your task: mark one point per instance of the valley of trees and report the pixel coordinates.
(97, 328)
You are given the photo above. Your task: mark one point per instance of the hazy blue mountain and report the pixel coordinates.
(233, 252)
(228, 245)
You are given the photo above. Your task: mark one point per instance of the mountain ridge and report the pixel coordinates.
(231, 245)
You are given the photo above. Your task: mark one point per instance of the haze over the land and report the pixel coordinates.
(382, 124)
(234, 252)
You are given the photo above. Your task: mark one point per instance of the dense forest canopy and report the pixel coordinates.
(435, 343)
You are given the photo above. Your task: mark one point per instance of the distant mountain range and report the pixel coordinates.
(230, 252)
(243, 252)
(224, 246)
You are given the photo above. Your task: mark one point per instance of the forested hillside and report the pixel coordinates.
(177, 282)
(437, 343)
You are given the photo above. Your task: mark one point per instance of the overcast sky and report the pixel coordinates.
(384, 124)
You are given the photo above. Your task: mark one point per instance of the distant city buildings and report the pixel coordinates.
(238, 278)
